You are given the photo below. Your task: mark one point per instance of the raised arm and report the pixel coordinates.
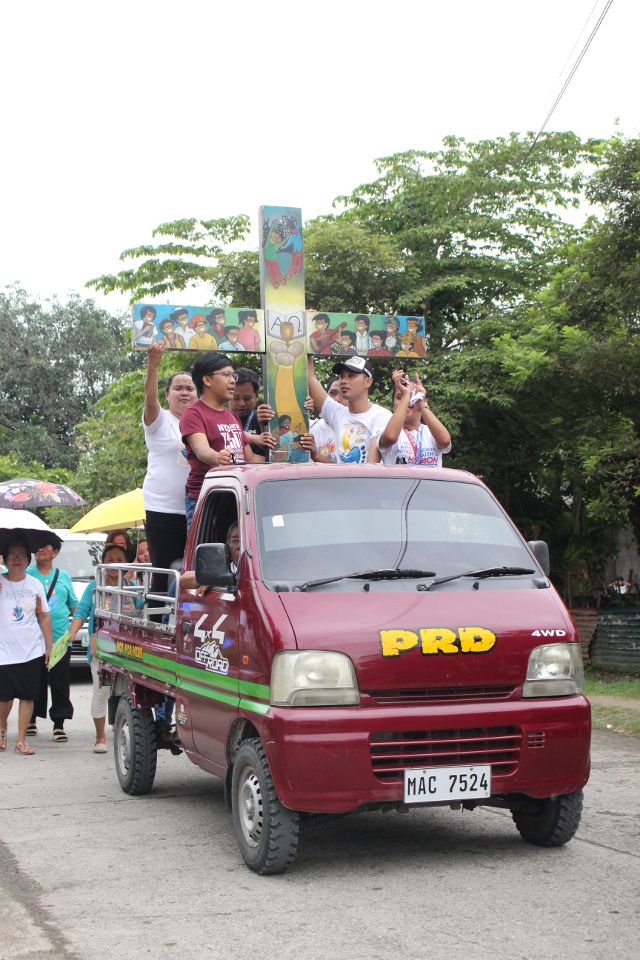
(317, 391)
(438, 430)
(392, 430)
(151, 410)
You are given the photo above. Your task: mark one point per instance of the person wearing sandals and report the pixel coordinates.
(62, 602)
(25, 639)
(112, 553)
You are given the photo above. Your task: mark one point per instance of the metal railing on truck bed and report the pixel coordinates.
(128, 601)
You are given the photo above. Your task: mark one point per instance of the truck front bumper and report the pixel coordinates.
(335, 759)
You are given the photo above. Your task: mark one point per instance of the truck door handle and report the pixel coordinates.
(186, 627)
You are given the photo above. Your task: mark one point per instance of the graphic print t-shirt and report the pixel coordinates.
(416, 446)
(353, 431)
(21, 638)
(62, 601)
(325, 439)
(221, 428)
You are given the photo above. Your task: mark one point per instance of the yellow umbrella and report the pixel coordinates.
(127, 510)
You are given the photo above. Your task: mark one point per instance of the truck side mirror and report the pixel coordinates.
(212, 568)
(540, 550)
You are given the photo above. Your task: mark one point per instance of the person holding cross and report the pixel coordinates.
(212, 434)
(360, 421)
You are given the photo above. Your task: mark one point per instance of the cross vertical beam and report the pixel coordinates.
(282, 299)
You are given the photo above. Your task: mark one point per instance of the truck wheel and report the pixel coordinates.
(267, 832)
(554, 824)
(134, 746)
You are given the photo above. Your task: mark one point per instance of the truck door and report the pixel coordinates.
(207, 639)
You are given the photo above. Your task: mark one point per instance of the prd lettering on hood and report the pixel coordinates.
(437, 640)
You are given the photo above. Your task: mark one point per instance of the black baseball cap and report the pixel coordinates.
(356, 364)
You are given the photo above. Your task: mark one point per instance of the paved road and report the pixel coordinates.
(87, 872)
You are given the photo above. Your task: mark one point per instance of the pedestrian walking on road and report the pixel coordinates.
(112, 553)
(62, 602)
(25, 641)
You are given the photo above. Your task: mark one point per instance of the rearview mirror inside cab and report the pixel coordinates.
(212, 566)
(540, 550)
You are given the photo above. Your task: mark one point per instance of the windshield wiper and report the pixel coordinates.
(482, 574)
(393, 573)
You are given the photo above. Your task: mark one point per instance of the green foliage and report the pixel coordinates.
(57, 360)
(475, 223)
(113, 454)
(190, 256)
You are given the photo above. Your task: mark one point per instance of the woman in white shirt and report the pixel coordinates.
(25, 639)
(167, 468)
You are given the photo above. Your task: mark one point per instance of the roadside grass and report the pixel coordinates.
(615, 719)
(610, 684)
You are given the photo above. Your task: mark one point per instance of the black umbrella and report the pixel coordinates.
(27, 527)
(25, 492)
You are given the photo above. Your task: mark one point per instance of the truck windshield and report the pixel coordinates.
(310, 529)
(79, 558)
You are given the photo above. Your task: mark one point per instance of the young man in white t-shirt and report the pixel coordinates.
(359, 421)
(413, 434)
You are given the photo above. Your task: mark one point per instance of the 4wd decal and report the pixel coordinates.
(209, 654)
(437, 640)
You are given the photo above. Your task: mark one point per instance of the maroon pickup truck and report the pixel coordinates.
(379, 637)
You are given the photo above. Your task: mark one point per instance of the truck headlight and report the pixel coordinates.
(313, 678)
(554, 670)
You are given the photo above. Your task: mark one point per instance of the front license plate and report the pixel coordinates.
(437, 784)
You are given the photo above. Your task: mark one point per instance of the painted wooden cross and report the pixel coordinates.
(283, 331)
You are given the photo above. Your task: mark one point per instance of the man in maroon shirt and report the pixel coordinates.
(213, 435)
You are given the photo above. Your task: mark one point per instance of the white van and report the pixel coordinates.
(79, 555)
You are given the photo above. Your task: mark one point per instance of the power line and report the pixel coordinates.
(572, 71)
(577, 41)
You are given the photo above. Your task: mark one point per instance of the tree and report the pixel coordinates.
(477, 224)
(574, 365)
(57, 361)
(444, 232)
(190, 256)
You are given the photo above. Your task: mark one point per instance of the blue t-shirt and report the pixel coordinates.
(87, 608)
(63, 600)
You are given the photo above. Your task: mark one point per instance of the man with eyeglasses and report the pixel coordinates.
(212, 434)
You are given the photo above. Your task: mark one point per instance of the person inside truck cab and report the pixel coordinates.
(212, 434)
(188, 577)
(233, 543)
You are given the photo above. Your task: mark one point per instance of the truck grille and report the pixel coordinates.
(392, 752)
(441, 694)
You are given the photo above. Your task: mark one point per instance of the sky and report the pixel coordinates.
(119, 116)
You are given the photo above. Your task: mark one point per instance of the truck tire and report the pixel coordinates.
(554, 824)
(134, 747)
(267, 832)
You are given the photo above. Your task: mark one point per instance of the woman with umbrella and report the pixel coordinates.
(25, 637)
